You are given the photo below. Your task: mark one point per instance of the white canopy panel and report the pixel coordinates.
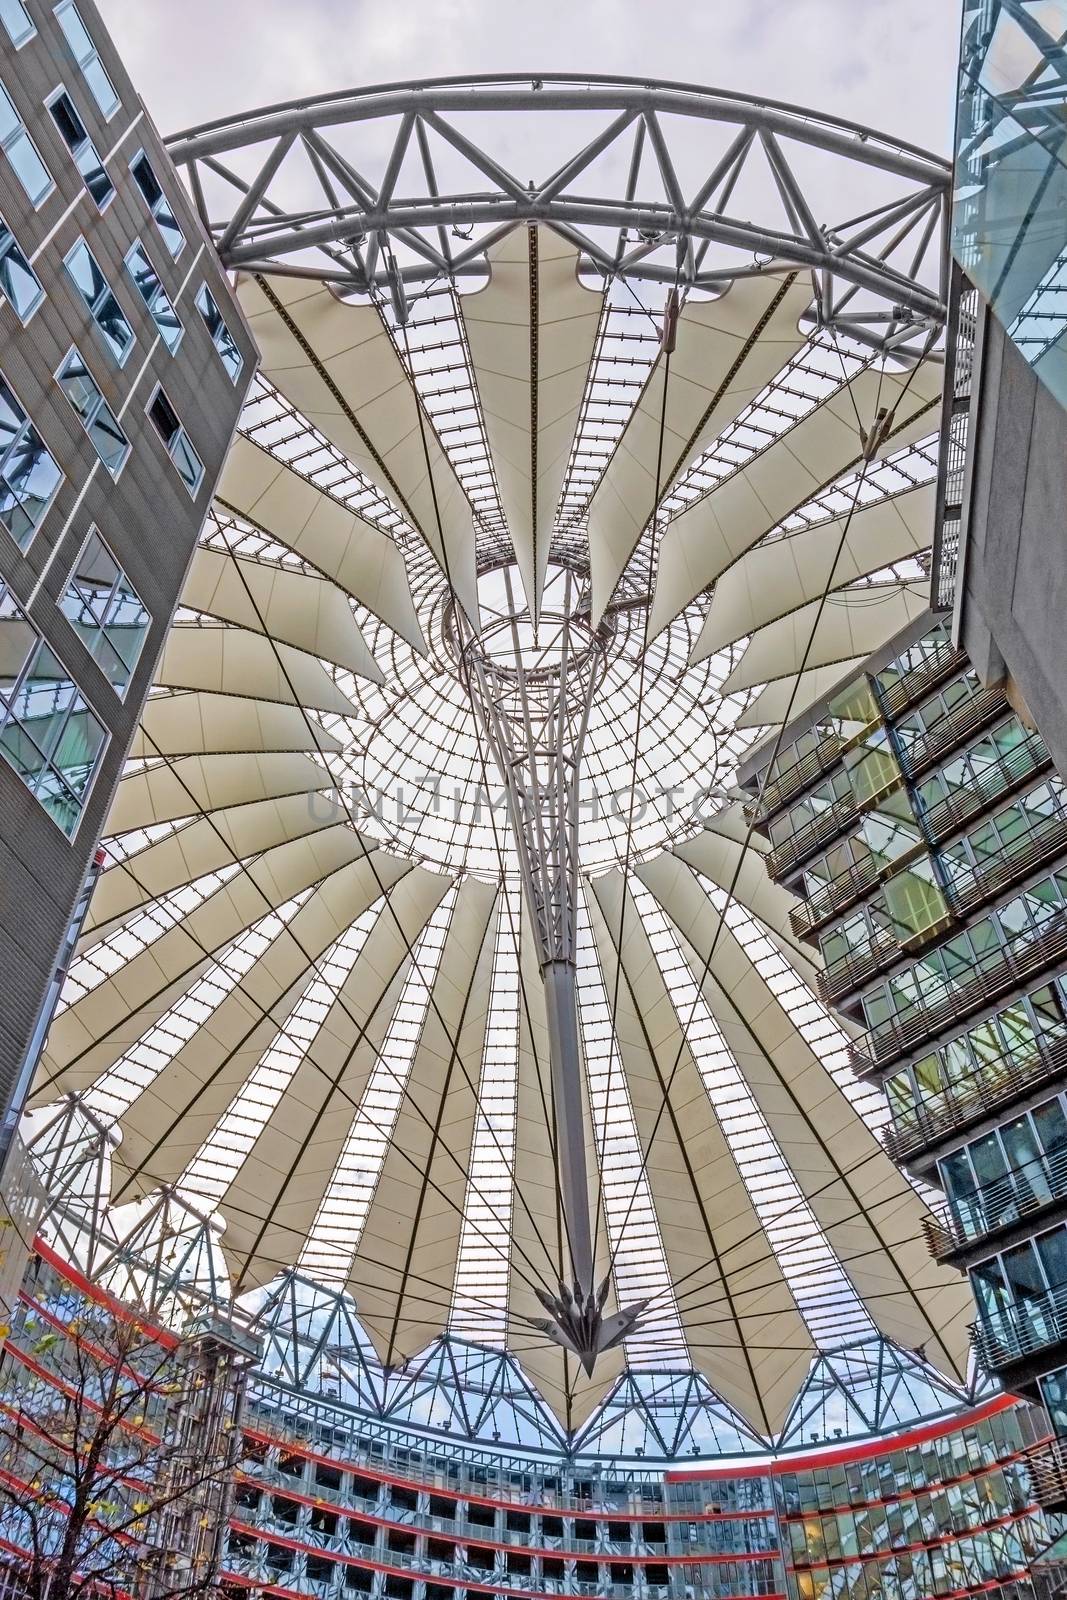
(304, 1000)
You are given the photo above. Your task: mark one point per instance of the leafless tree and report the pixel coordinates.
(116, 1456)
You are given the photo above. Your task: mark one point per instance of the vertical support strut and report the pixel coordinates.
(533, 685)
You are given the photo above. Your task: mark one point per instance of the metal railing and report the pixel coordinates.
(1014, 1332)
(793, 779)
(808, 838)
(955, 726)
(941, 820)
(1020, 1192)
(1047, 1466)
(941, 662)
(854, 969)
(994, 972)
(836, 895)
(1030, 850)
(1000, 1081)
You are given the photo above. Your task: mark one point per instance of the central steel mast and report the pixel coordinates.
(533, 685)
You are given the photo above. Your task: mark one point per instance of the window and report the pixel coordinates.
(16, 20)
(156, 201)
(106, 612)
(176, 440)
(97, 417)
(48, 733)
(29, 477)
(19, 284)
(21, 151)
(85, 54)
(72, 131)
(155, 297)
(221, 336)
(100, 300)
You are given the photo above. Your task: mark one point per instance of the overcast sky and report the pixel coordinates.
(888, 63)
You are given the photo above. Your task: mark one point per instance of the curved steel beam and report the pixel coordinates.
(349, 222)
(561, 92)
(781, 249)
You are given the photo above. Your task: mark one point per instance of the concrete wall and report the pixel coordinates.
(1012, 593)
(147, 516)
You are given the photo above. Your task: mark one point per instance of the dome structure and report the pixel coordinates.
(434, 962)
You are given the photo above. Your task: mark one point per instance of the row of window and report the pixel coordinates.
(48, 733)
(278, 1563)
(29, 166)
(873, 764)
(20, 29)
(1022, 1292)
(506, 1564)
(943, 972)
(972, 778)
(924, 654)
(277, 1513)
(612, 1498)
(736, 1536)
(965, 1453)
(29, 473)
(924, 1519)
(1020, 1165)
(967, 1064)
(970, 1567)
(113, 324)
(917, 899)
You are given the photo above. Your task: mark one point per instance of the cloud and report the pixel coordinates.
(889, 65)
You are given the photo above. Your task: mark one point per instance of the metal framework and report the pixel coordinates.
(458, 1399)
(278, 191)
(281, 196)
(532, 681)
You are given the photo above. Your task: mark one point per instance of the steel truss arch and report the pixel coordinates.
(880, 276)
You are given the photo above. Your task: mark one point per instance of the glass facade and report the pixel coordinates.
(930, 849)
(29, 475)
(106, 613)
(71, 128)
(325, 1504)
(48, 732)
(97, 417)
(1011, 173)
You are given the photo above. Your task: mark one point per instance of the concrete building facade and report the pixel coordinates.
(123, 363)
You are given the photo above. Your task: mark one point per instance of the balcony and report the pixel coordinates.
(1047, 1466)
(834, 897)
(953, 729)
(853, 970)
(1021, 1193)
(941, 663)
(994, 974)
(1013, 1335)
(1001, 1081)
(949, 816)
(811, 837)
(1023, 856)
(791, 781)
